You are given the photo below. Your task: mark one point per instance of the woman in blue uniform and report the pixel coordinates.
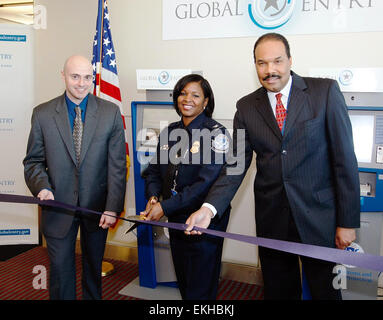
(190, 155)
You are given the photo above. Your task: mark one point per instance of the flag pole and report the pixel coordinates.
(107, 268)
(101, 31)
(103, 66)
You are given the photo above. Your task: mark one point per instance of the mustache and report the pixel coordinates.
(271, 76)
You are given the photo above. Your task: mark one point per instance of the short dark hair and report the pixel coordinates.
(206, 88)
(273, 36)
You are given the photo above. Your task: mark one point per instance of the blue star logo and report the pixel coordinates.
(271, 14)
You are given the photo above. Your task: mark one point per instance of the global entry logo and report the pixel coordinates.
(164, 77)
(271, 14)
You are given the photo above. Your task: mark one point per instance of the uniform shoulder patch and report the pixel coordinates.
(220, 143)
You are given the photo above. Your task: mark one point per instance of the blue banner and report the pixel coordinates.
(13, 38)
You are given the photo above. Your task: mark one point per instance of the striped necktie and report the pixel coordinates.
(77, 133)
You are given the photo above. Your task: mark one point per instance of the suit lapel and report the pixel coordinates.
(298, 99)
(62, 121)
(90, 125)
(264, 108)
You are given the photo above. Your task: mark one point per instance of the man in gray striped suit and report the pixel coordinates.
(307, 184)
(90, 175)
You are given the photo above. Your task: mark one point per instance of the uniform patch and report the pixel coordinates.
(220, 143)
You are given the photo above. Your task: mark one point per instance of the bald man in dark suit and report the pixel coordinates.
(307, 184)
(90, 175)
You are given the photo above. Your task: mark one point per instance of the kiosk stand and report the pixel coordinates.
(156, 270)
(366, 115)
(157, 279)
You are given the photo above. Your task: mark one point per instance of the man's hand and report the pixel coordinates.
(45, 194)
(108, 220)
(153, 211)
(344, 237)
(201, 218)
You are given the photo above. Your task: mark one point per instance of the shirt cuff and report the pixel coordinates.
(211, 207)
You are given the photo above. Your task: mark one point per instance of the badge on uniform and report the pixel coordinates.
(195, 147)
(220, 143)
(164, 147)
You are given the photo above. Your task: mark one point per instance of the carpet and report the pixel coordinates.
(18, 282)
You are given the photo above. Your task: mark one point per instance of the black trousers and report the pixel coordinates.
(197, 263)
(62, 282)
(282, 277)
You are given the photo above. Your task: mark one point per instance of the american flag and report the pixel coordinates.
(105, 78)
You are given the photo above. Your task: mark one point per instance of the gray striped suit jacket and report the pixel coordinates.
(98, 183)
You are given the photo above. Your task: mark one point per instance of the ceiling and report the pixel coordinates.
(16, 11)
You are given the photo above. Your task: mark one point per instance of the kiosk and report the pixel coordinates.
(155, 263)
(366, 115)
(154, 256)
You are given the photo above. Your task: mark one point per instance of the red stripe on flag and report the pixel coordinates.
(123, 120)
(110, 90)
(127, 148)
(98, 77)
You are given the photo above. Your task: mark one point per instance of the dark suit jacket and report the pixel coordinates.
(313, 163)
(98, 183)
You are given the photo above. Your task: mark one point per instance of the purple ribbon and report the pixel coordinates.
(362, 260)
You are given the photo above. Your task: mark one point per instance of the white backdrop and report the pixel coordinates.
(193, 19)
(18, 223)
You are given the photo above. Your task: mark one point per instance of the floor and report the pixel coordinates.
(25, 277)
